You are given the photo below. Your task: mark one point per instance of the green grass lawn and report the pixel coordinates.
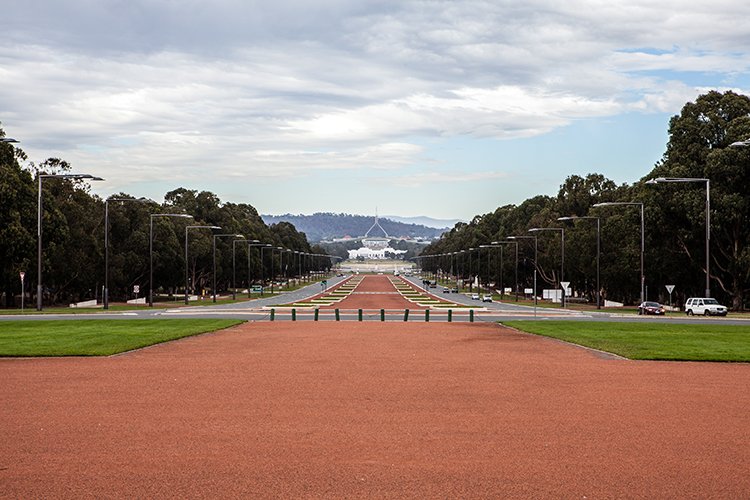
(653, 341)
(95, 337)
(119, 307)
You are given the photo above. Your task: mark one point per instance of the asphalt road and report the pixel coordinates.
(259, 310)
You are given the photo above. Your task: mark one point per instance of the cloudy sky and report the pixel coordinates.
(440, 108)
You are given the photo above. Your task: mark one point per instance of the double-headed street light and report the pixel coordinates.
(41, 177)
(151, 252)
(598, 251)
(643, 233)
(106, 243)
(213, 284)
(660, 180)
(187, 228)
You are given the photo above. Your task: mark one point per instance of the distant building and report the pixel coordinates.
(374, 247)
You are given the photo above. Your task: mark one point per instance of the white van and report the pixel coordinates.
(705, 306)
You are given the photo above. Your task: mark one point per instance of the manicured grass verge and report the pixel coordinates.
(95, 337)
(653, 341)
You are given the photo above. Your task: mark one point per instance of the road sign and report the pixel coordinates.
(669, 288)
(565, 284)
(136, 289)
(23, 290)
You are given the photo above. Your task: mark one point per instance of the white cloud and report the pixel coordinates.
(421, 179)
(146, 89)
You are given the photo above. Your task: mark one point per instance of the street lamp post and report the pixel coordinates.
(187, 228)
(463, 270)
(273, 265)
(106, 243)
(471, 278)
(562, 254)
(289, 253)
(40, 177)
(250, 243)
(660, 180)
(151, 252)
(263, 267)
(536, 246)
(643, 233)
(295, 267)
(516, 271)
(489, 266)
(598, 250)
(213, 284)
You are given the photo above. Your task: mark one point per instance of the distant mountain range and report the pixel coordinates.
(328, 226)
(425, 221)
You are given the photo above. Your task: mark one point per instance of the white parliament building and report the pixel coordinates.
(374, 248)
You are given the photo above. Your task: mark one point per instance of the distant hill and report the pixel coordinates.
(327, 226)
(425, 221)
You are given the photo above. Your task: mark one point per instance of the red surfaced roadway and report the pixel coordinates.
(372, 410)
(375, 292)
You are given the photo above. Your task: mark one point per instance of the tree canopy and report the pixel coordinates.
(73, 238)
(675, 222)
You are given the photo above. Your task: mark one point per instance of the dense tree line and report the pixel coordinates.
(674, 218)
(73, 238)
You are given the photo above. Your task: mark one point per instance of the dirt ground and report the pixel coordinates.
(372, 410)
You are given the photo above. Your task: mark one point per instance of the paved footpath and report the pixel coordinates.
(372, 410)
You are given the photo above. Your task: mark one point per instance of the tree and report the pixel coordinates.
(699, 139)
(18, 213)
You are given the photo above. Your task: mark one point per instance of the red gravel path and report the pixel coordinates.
(375, 292)
(379, 410)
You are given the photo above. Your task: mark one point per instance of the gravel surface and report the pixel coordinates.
(374, 292)
(372, 410)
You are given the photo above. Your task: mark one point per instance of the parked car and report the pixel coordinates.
(454, 290)
(446, 290)
(705, 306)
(474, 296)
(651, 308)
(486, 297)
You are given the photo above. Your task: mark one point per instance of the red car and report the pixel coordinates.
(651, 308)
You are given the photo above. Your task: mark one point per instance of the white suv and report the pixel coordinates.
(705, 306)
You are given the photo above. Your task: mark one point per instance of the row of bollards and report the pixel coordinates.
(360, 315)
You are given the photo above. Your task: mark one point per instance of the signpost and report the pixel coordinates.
(669, 289)
(136, 289)
(564, 285)
(23, 291)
